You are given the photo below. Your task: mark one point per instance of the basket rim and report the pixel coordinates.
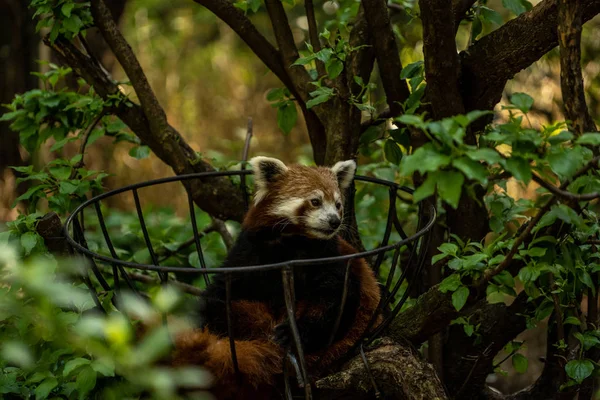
(250, 268)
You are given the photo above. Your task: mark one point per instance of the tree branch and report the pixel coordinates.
(489, 63)
(287, 47)
(397, 371)
(241, 25)
(313, 33)
(459, 9)
(571, 78)
(386, 51)
(217, 196)
(441, 61)
(498, 325)
(563, 193)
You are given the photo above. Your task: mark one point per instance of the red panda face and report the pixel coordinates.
(297, 199)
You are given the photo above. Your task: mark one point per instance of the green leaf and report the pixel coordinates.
(370, 134)
(61, 172)
(505, 278)
(522, 101)
(334, 67)
(448, 248)
(67, 8)
(451, 283)
(459, 297)
(579, 369)
(528, 274)
(72, 365)
(520, 362)
(140, 152)
(571, 320)
(324, 55)
(519, 168)
(67, 187)
(472, 169)
(105, 367)
(29, 240)
(592, 139)
(287, 115)
(490, 156)
(317, 100)
(44, 388)
(491, 15)
(565, 163)
(410, 119)
(563, 136)
(392, 152)
(411, 70)
(449, 184)
(426, 189)
(425, 159)
(275, 94)
(86, 380)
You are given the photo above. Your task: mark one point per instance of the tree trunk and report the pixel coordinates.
(18, 52)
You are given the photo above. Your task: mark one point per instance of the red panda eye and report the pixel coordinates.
(315, 202)
(338, 205)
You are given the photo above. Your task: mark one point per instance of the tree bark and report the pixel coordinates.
(19, 43)
(398, 373)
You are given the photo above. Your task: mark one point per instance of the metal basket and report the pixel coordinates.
(415, 247)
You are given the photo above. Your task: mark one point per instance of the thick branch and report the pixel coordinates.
(497, 57)
(287, 46)
(571, 77)
(468, 361)
(155, 114)
(386, 51)
(459, 9)
(441, 61)
(217, 196)
(241, 25)
(397, 371)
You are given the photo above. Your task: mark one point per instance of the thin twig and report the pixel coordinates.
(84, 141)
(249, 133)
(313, 33)
(563, 193)
(221, 228)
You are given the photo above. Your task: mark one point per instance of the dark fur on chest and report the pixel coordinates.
(318, 287)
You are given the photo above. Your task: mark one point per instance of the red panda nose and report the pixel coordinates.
(334, 221)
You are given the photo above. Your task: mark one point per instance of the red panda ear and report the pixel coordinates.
(266, 170)
(344, 171)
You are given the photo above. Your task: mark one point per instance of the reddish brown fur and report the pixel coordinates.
(298, 181)
(260, 360)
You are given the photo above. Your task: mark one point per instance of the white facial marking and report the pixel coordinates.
(288, 208)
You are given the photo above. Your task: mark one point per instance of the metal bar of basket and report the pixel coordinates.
(197, 237)
(338, 319)
(290, 360)
(425, 240)
(79, 236)
(112, 248)
(388, 229)
(392, 270)
(164, 276)
(230, 324)
(287, 275)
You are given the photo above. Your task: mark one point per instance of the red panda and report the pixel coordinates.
(297, 213)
